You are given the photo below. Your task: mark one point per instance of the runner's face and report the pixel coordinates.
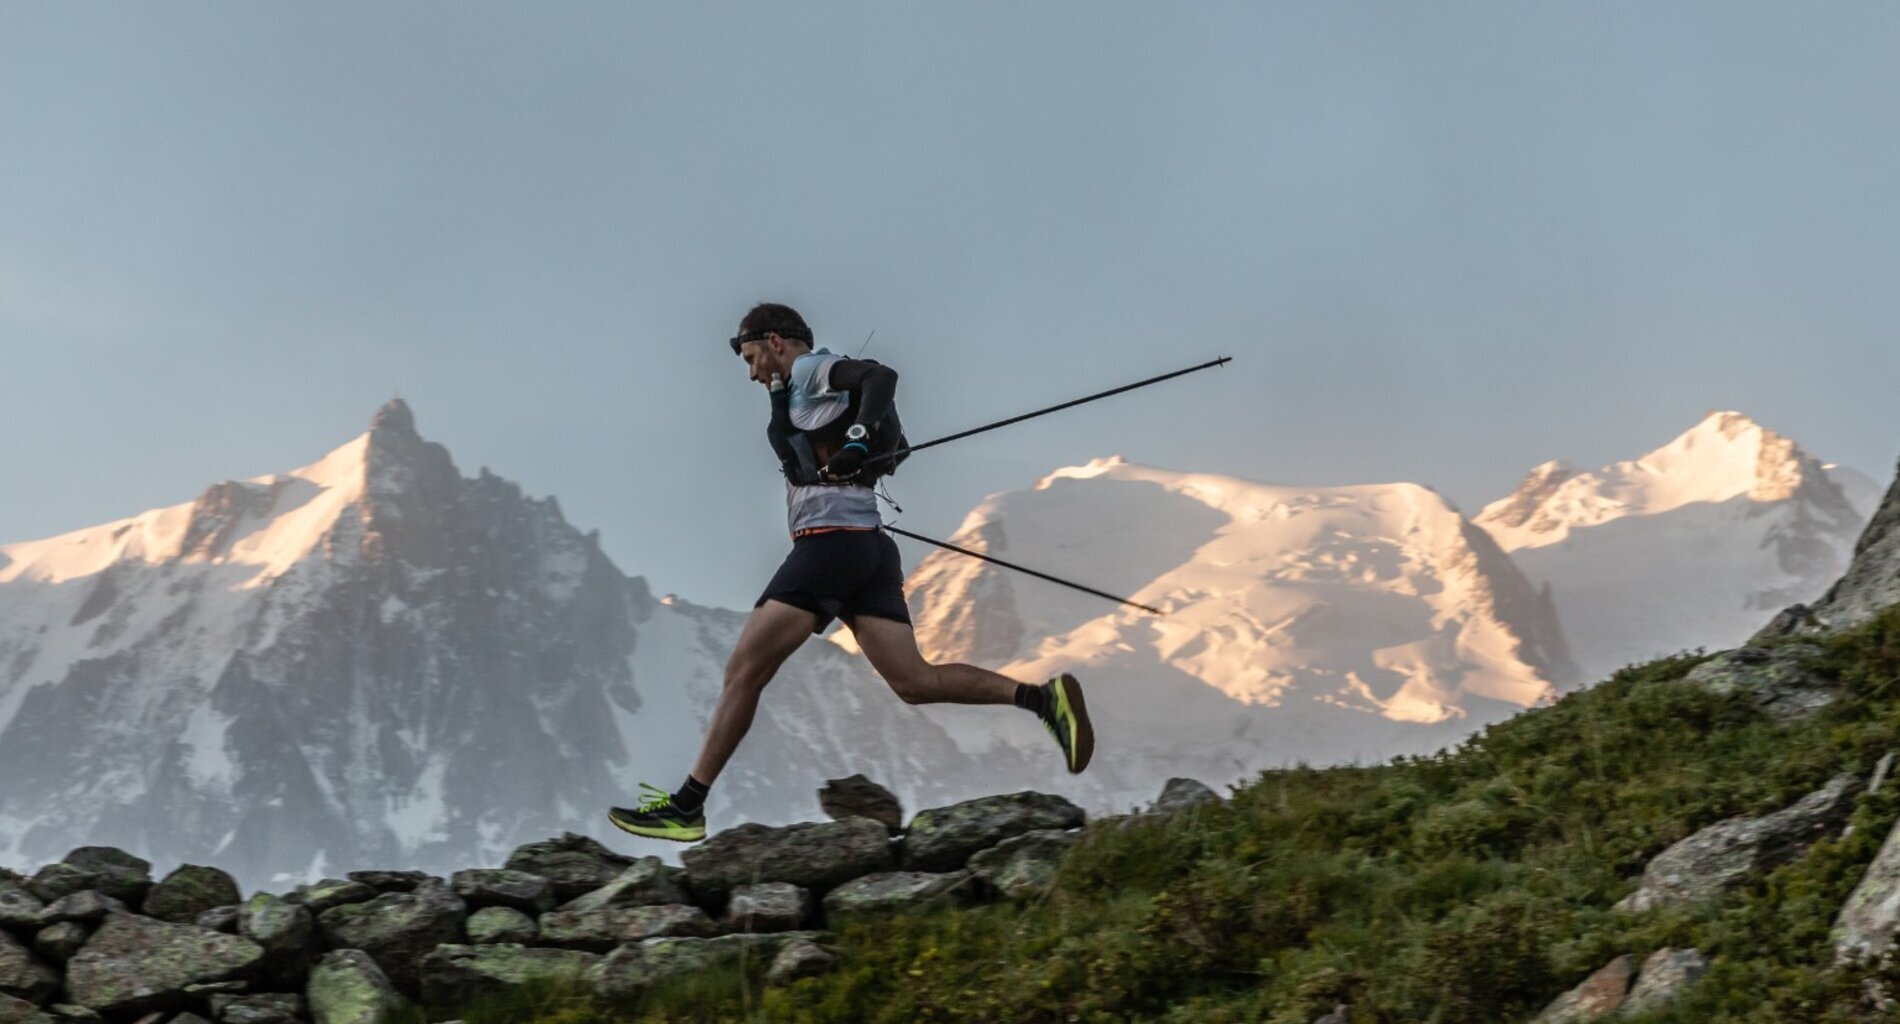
(761, 362)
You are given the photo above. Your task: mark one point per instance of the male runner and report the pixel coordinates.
(828, 413)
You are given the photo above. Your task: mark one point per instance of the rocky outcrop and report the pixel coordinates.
(356, 951)
(1599, 996)
(1729, 852)
(1666, 974)
(1780, 680)
(1609, 995)
(1871, 583)
(1182, 794)
(1867, 922)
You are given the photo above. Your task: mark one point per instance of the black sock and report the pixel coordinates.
(1031, 698)
(692, 795)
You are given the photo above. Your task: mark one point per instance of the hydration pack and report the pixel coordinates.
(797, 449)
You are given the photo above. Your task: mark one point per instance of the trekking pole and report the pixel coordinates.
(886, 456)
(1039, 575)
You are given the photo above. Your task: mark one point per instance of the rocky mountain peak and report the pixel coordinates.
(395, 417)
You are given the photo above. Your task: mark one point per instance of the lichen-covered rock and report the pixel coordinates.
(601, 930)
(138, 963)
(895, 891)
(800, 959)
(220, 919)
(491, 925)
(329, 894)
(455, 975)
(397, 929)
(1599, 996)
(1868, 919)
(258, 1008)
(1779, 679)
(24, 975)
(574, 864)
(503, 887)
(1181, 794)
(347, 987)
(859, 797)
(1666, 974)
(56, 943)
(393, 881)
(628, 970)
(1023, 866)
(87, 906)
(644, 883)
(1342, 1014)
(14, 1010)
(286, 930)
(77, 1014)
(190, 890)
(120, 875)
(816, 855)
(18, 907)
(60, 879)
(1729, 852)
(768, 907)
(943, 838)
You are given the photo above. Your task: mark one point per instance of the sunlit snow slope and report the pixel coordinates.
(1323, 625)
(1695, 544)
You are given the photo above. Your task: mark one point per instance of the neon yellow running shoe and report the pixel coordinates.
(1067, 719)
(657, 818)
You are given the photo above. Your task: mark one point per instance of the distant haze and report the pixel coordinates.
(1445, 242)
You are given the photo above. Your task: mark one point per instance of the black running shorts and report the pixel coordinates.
(841, 574)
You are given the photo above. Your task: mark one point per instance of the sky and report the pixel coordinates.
(1443, 242)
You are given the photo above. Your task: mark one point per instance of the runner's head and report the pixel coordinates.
(770, 337)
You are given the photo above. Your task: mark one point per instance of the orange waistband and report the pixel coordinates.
(811, 531)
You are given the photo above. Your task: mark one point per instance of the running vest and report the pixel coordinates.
(808, 415)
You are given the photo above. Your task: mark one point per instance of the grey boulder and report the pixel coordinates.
(1181, 794)
(347, 987)
(1599, 996)
(815, 855)
(628, 970)
(454, 975)
(646, 882)
(1729, 852)
(190, 890)
(943, 838)
(491, 925)
(802, 958)
(602, 930)
(1776, 679)
(893, 892)
(24, 975)
(503, 887)
(574, 864)
(397, 929)
(1023, 866)
(768, 907)
(1666, 974)
(859, 797)
(137, 963)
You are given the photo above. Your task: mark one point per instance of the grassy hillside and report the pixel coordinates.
(1472, 886)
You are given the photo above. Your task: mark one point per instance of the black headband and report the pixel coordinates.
(797, 333)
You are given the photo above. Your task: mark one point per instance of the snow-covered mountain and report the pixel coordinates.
(1302, 624)
(373, 661)
(1691, 545)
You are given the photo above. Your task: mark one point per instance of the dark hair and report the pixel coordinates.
(775, 318)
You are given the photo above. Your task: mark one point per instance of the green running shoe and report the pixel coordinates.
(1067, 719)
(657, 818)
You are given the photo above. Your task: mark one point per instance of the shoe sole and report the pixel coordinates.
(1084, 740)
(678, 836)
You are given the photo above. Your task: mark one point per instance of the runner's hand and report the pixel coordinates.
(846, 462)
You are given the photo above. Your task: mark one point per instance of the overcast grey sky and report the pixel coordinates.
(1445, 242)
